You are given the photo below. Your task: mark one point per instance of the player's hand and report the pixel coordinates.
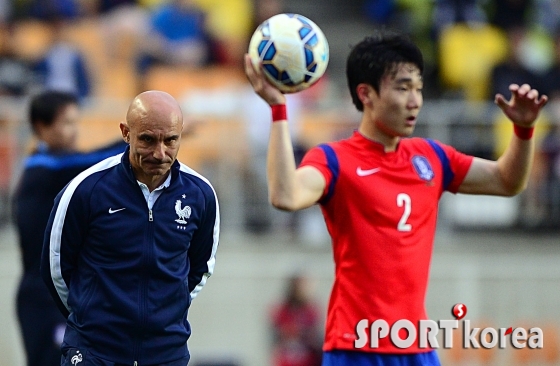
(262, 87)
(524, 106)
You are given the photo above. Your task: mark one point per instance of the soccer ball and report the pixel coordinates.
(293, 50)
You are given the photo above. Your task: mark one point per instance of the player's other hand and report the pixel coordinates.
(524, 105)
(262, 87)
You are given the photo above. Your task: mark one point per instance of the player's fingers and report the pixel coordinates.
(501, 101)
(542, 101)
(249, 67)
(513, 88)
(251, 73)
(523, 90)
(533, 94)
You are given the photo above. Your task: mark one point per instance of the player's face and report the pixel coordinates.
(62, 134)
(398, 103)
(154, 144)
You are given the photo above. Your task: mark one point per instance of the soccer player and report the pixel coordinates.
(379, 192)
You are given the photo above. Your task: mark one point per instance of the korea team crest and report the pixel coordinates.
(423, 168)
(183, 212)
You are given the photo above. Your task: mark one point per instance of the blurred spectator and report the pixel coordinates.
(125, 26)
(548, 15)
(550, 149)
(16, 75)
(380, 11)
(5, 10)
(63, 67)
(54, 121)
(508, 14)
(513, 70)
(178, 37)
(295, 324)
(104, 6)
(46, 9)
(551, 79)
(547, 180)
(229, 23)
(449, 12)
(264, 9)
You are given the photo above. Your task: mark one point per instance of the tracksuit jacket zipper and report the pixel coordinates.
(144, 282)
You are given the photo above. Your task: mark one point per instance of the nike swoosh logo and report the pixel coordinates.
(111, 211)
(363, 173)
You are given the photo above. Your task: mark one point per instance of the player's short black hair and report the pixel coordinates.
(376, 56)
(45, 106)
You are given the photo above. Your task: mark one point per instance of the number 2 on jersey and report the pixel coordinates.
(403, 200)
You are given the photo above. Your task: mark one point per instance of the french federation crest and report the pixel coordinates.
(183, 213)
(76, 358)
(423, 167)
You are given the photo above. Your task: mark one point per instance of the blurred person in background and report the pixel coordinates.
(296, 323)
(512, 69)
(379, 192)
(46, 9)
(53, 117)
(547, 177)
(550, 196)
(542, 199)
(548, 15)
(177, 36)
(130, 243)
(16, 74)
(228, 23)
(63, 67)
(506, 14)
(449, 12)
(551, 79)
(124, 25)
(5, 10)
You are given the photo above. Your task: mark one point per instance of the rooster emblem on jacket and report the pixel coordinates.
(183, 213)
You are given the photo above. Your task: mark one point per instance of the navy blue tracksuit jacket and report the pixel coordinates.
(124, 274)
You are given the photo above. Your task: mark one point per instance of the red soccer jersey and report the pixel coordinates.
(380, 209)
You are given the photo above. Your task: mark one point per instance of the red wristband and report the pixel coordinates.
(524, 133)
(279, 112)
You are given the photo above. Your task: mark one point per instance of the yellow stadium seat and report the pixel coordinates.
(179, 80)
(468, 54)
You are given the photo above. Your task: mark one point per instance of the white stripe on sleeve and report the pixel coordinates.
(216, 235)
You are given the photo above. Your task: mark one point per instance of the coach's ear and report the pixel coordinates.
(125, 131)
(366, 93)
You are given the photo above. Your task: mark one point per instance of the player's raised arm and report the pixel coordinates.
(509, 174)
(288, 188)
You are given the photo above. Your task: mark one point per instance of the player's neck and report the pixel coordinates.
(370, 132)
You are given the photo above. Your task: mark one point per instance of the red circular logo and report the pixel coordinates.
(459, 311)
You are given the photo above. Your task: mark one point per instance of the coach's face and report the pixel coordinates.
(153, 129)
